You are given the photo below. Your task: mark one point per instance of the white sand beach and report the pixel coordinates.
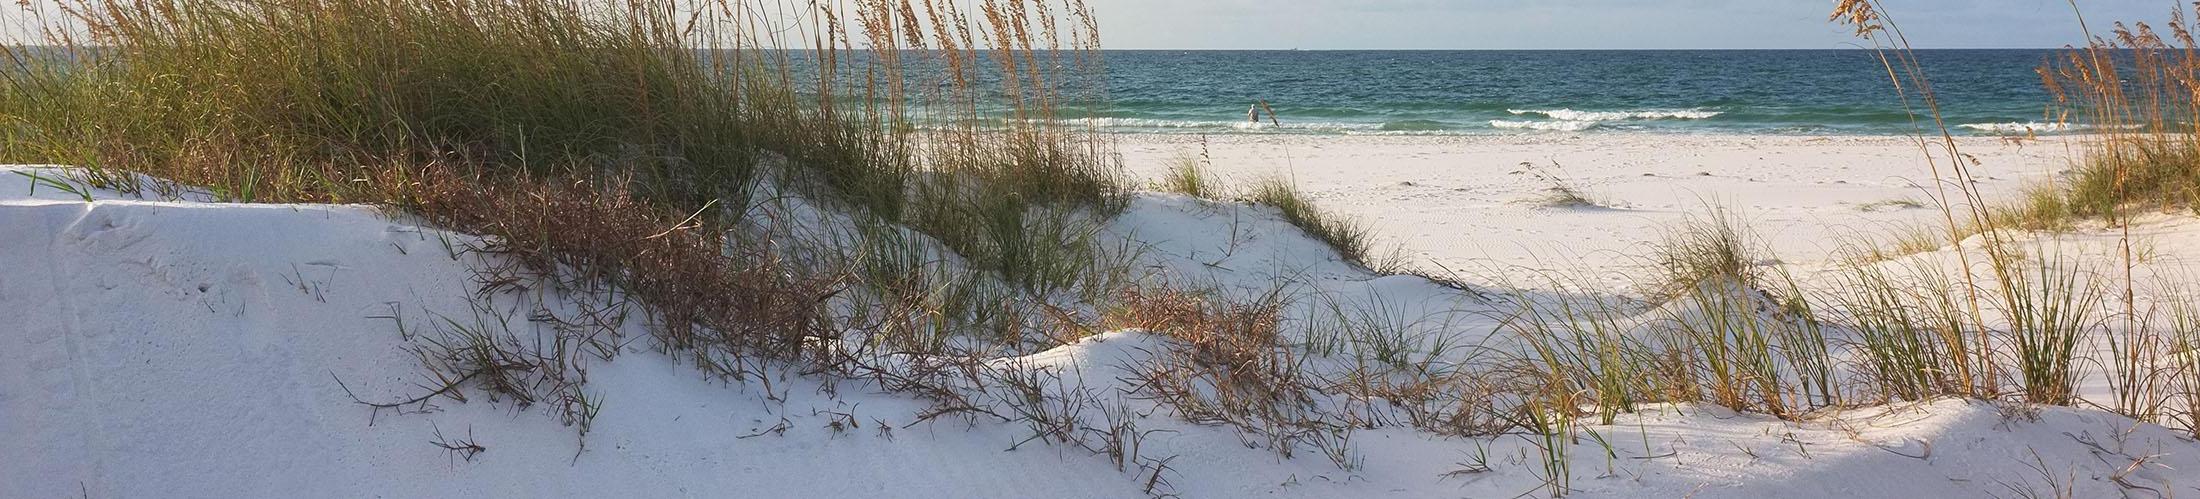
(177, 324)
(965, 249)
(1469, 201)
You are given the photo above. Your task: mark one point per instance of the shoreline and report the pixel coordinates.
(1502, 135)
(1591, 128)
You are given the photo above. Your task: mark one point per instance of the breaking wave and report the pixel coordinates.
(1569, 114)
(1555, 126)
(2016, 127)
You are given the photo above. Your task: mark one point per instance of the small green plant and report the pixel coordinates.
(1559, 191)
(2038, 207)
(1188, 175)
(1474, 463)
(1579, 344)
(1721, 332)
(1550, 430)
(1801, 332)
(56, 183)
(1890, 205)
(1905, 355)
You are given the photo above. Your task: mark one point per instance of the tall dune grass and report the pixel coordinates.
(619, 148)
(2133, 91)
(2133, 88)
(683, 107)
(283, 101)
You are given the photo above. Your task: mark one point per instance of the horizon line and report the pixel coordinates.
(1767, 49)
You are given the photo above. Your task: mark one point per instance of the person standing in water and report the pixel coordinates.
(1252, 114)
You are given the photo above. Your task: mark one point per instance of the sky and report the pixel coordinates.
(1590, 24)
(1544, 24)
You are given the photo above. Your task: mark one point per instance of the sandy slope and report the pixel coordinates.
(190, 349)
(162, 349)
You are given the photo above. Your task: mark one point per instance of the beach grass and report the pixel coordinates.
(2130, 87)
(1352, 240)
(675, 113)
(598, 148)
(1189, 175)
(2004, 321)
(1560, 192)
(1712, 246)
(621, 151)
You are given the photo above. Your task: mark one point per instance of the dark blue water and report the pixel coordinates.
(1481, 92)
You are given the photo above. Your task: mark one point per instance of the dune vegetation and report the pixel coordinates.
(680, 159)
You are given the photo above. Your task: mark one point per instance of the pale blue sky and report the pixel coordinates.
(1607, 24)
(1542, 24)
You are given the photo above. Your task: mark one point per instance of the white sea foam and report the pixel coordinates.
(1154, 123)
(2015, 127)
(1231, 124)
(1643, 114)
(1556, 126)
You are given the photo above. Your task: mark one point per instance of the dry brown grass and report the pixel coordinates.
(1238, 343)
(700, 293)
(1233, 369)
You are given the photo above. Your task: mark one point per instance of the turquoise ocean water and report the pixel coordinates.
(1982, 92)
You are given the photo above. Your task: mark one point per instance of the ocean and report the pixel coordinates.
(1795, 92)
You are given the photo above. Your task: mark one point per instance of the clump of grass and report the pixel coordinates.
(375, 101)
(1950, 165)
(2140, 372)
(705, 292)
(1219, 333)
(1349, 238)
(1714, 332)
(1581, 347)
(1191, 176)
(1914, 343)
(2052, 308)
(1713, 248)
(1188, 175)
(1559, 192)
(1042, 248)
(2157, 175)
(1550, 429)
(1800, 325)
(1719, 333)
(2133, 88)
(2180, 324)
(1890, 204)
(2037, 208)
(1233, 369)
(2047, 308)
(1563, 196)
